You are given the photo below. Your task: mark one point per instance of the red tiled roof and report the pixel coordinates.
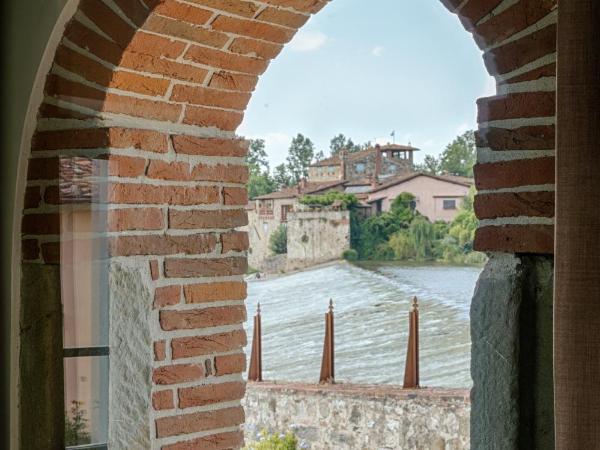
(463, 181)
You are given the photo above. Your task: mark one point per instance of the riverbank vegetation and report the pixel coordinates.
(403, 234)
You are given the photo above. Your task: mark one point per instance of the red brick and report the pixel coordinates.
(165, 67)
(153, 45)
(163, 400)
(41, 224)
(255, 48)
(172, 195)
(141, 84)
(51, 252)
(514, 204)
(30, 249)
(219, 441)
(178, 373)
(53, 111)
(202, 318)
(210, 97)
(167, 296)
(475, 10)
(187, 347)
(86, 67)
(306, 6)
(33, 197)
(196, 422)
(211, 393)
(178, 29)
(225, 173)
(52, 195)
(207, 219)
(523, 138)
(208, 117)
(154, 270)
(181, 11)
(233, 81)
(191, 145)
(135, 11)
(226, 60)
(283, 17)
(135, 219)
(108, 21)
(126, 166)
(236, 241)
(254, 29)
(509, 174)
(163, 170)
(139, 107)
(512, 20)
(452, 5)
(235, 196)
(549, 70)
(515, 106)
(515, 239)
(214, 292)
(205, 267)
(230, 364)
(160, 351)
(147, 140)
(238, 7)
(42, 169)
(95, 43)
(518, 53)
(162, 245)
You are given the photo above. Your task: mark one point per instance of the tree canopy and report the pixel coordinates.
(341, 142)
(457, 159)
(300, 156)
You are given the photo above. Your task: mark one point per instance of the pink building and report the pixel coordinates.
(438, 197)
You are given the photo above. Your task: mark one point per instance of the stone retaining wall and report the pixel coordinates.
(360, 417)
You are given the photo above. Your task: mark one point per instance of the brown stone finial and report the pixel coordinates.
(415, 304)
(258, 308)
(330, 304)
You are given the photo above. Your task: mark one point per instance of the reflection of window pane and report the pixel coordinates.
(84, 272)
(86, 400)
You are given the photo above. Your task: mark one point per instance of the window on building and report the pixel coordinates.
(450, 204)
(84, 277)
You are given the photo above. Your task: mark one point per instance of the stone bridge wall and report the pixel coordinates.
(360, 417)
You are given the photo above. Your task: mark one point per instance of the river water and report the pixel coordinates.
(371, 304)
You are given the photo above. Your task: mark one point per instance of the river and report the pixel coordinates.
(371, 304)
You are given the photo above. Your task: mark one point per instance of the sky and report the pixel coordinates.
(397, 65)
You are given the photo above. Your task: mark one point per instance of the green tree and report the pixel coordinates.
(281, 177)
(260, 181)
(300, 156)
(341, 142)
(459, 156)
(430, 165)
(76, 425)
(274, 442)
(278, 240)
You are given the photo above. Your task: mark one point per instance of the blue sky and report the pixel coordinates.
(403, 65)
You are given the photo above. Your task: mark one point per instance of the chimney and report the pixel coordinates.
(302, 185)
(378, 162)
(343, 156)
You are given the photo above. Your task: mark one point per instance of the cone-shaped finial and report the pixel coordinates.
(415, 304)
(330, 304)
(258, 308)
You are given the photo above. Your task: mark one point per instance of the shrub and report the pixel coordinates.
(348, 201)
(76, 425)
(350, 255)
(268, 441)
(278, 240)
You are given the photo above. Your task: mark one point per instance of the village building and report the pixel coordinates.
(437, 197)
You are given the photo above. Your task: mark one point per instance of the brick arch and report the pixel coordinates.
(158, 87)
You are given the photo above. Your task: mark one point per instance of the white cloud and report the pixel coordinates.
(377, 51)
(308, 41)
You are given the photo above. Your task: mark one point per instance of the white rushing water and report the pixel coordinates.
(371, 322)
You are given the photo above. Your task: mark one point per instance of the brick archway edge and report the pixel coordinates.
(158, 87)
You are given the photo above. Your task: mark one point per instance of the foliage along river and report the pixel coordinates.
(371, 306)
